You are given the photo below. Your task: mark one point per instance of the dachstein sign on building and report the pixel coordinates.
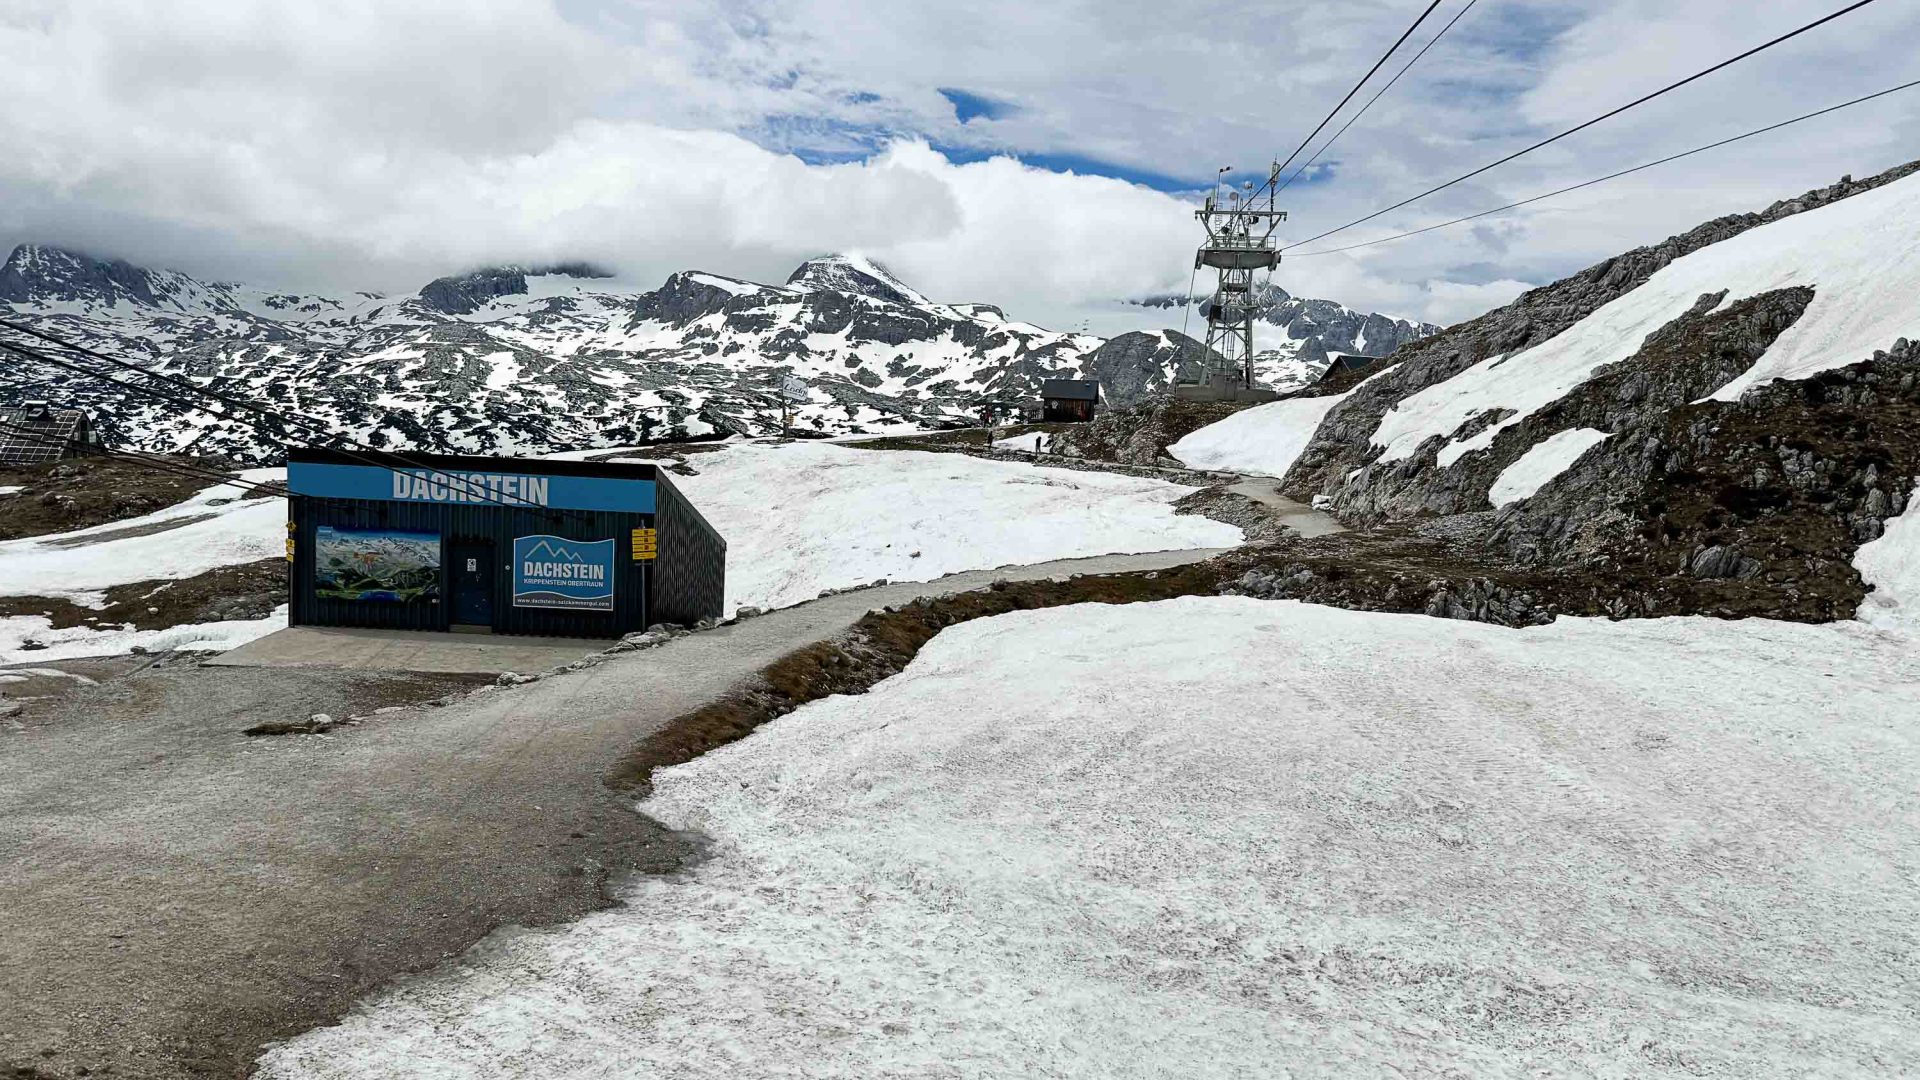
(554, 572)
(410, 541)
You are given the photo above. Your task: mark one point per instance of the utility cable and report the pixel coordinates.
(1669, 88)
(1376, 97)
(1187, 312)
(153, 462)
(1377, 65)
(1614, 175)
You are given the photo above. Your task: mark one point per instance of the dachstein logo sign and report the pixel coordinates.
(553, 572)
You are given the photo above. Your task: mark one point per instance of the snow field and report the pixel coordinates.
(1206, 838)
(1861, 256)
(1537, 467)
(802, 517)
(238, 527)
(80, 566)
(1264, 440)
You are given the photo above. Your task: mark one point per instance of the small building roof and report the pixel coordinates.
(1351, 362)
(413, 459)
(36, 433)
(1071, 389)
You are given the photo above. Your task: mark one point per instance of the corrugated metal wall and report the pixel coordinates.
(690, 576)
(458, 524)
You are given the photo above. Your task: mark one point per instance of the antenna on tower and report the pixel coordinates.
(1239, 241)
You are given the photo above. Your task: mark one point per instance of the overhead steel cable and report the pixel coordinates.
(1669, 88)
(1307, 164)
(471, 492)
(37, 356)
(158, 461)
(1322, 126)
(149, 461)
(1614, 175)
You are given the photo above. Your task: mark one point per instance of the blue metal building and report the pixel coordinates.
(506, 545)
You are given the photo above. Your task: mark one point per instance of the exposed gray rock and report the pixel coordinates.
(1416, 486)
(468, 293)
(1135, 366)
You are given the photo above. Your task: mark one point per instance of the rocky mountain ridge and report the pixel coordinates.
(1313, 333)
(518, 359)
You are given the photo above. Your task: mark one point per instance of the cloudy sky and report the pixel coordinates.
(1039, 154)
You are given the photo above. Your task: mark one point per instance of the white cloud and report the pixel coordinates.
(359, 144)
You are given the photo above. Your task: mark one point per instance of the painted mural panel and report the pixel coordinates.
(377, 565)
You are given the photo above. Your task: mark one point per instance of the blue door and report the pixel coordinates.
(472, 575)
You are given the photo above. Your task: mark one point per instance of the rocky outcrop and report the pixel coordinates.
(1778, 489)
(36, 272)
(468, 293)
(860, 277)
(1140, 434)
(1135, 366)
(1689, 358)
(1343, 442)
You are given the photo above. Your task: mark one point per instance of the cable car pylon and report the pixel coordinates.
(1239, 241)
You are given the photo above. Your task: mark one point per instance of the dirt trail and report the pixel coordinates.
(1297, 516)
(178, 895)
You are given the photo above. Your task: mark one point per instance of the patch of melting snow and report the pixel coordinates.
(1891, 565)
(1537, 467)
(221, 525)
(32, 639)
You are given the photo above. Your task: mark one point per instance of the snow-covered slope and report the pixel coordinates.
(1207, 838)
(803, 517)
(221, 526)
(1861, 257)
(1264, 441)
(1891, 565)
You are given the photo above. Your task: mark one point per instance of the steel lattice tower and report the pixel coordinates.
(1239, 241)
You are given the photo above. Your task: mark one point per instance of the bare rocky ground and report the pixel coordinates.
(1140, 434)
(248, 591)
(85, 492)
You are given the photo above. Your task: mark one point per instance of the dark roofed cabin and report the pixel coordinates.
(36, 433)
(1068, 401)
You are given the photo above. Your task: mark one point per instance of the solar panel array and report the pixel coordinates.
(33, 435)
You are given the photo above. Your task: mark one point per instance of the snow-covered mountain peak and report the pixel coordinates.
(42, 273)
(854, 274)
(516, 358)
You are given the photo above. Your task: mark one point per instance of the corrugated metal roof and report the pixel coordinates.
(1071, 389)
(37, 433)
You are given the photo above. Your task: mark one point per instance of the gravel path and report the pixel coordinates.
(178, 895)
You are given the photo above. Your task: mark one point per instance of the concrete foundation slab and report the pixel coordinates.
(407, 650)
